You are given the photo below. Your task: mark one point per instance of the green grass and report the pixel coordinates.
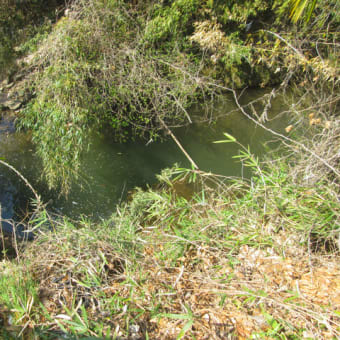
(149, 268)
(229, 258)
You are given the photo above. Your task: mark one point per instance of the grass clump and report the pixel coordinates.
(18, 299)
(66, 287)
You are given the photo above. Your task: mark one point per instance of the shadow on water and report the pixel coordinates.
(110, 169)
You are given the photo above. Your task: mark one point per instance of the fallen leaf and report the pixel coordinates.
(289, 128)
(327, 124)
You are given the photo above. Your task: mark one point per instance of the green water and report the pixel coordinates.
(110, 169)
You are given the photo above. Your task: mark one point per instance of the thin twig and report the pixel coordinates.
(288, 44)
(336, 172)
(24, 179)
(179, 144)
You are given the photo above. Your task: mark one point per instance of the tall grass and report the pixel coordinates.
(232, 257)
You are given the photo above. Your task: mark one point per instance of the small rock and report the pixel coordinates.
(13, 104)
(21, 93)
(12, 94)
(5, 82)
(18, 76)
(8, 86)
(134, 330)
(16, 106)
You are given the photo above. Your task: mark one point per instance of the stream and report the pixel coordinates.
(110, 170)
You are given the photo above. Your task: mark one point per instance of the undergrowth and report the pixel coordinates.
(112, 80)
(20, 22)
(233, 259)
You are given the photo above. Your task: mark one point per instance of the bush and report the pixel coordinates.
(133, 65)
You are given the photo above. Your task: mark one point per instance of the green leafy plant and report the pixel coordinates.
(113, 81)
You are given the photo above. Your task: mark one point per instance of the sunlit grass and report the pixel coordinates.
(248, 258)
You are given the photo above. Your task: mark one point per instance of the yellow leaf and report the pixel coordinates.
(289, 128)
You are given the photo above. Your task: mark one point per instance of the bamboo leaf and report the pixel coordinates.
(186, 327)
(174, 316)
(230, 139)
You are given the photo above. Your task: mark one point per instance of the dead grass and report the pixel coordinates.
(252, 291)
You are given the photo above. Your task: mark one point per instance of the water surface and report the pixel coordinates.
(109, 170)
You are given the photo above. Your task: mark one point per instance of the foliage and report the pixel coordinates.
(228, 50)
(238, 11)
(171, 21)
(299, 7)
(113, 80)
(132, 65)
(18, 296)
(7, 16)
(235, 257)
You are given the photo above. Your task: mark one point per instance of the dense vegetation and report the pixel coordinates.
(230, 258)
(246, 259)
(134, 65)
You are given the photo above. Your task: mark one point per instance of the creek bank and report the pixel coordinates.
(114, 169)
(13, 96)
(212, 265)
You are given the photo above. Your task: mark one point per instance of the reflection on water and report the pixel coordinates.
(111, 169)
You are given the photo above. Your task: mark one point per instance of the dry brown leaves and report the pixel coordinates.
(205, 294)
(235, 302)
